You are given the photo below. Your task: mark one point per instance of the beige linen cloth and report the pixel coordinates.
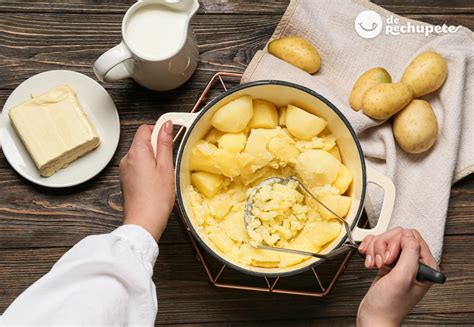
(423, 181)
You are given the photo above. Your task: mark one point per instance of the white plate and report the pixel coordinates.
(100, 109)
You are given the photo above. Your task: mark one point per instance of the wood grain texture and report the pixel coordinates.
(42, 218)
(37, 225)
(262, 7)
(225, 43)
(184, 294)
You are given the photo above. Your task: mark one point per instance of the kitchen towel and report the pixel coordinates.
(423, 181)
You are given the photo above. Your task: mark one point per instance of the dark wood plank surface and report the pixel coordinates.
(38, 225)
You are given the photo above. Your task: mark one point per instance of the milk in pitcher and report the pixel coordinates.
(156, 31)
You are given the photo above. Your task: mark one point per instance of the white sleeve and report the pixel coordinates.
(104, 280)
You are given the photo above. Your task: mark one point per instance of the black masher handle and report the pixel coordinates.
(426, 273)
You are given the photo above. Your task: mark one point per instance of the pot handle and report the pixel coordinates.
(184, 119)
(386, 184)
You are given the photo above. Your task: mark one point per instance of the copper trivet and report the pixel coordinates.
(320, 288)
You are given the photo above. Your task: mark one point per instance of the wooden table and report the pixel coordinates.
(38, 225)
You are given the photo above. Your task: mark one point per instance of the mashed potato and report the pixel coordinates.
(224, 166)
(279, 213)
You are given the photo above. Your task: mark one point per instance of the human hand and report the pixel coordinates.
(394, 292)
(148, 181)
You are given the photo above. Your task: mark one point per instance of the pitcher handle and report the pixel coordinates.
(184, 119)
(109, 66)
(388, 203)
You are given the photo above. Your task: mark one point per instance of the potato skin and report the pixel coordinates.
(373, 76)
(426, 73)
(297, 52)
(382, 101)
(416, 128)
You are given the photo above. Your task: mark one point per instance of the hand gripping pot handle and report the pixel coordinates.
(386, 184)
(184, 119)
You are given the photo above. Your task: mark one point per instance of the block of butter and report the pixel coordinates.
(54, 129)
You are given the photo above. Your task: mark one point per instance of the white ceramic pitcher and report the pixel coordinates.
(158, 49)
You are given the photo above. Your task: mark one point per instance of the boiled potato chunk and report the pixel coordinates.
(244, 159)
(343, 180)
(222, 241)
(288, 259)
(259, 257)
(384, 100)
(282, 116)
(297, 52)
(416, 128)
(265, 115)
(201, 157)
(207, 183)
(335, 153)
(325, 231)
(234, 227)
(302, 124)
(302, 243)
(370, 78)
(234, 116)
(426, 73)
(232, 142)
(317, 167)
(226, 162)
(340, 204)
(220, 205)
(257, 147)
(283, 148)
(213, 136)
(251, 177)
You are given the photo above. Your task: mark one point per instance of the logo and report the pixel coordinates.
(368, 24)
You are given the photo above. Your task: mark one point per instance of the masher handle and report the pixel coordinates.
(426, 273)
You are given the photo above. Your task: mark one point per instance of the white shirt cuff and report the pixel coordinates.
(141, 241)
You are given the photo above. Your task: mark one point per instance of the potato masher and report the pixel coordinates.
(424, 272)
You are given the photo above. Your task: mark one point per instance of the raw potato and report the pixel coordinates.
(234, 116)
(302, 124)
(416, 128)
(207, 183)
(265, 115)
(297, 52)
(426, 73)
(382, 101)
(282, 116)
(368, 79)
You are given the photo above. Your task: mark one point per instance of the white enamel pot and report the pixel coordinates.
(281, 93)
